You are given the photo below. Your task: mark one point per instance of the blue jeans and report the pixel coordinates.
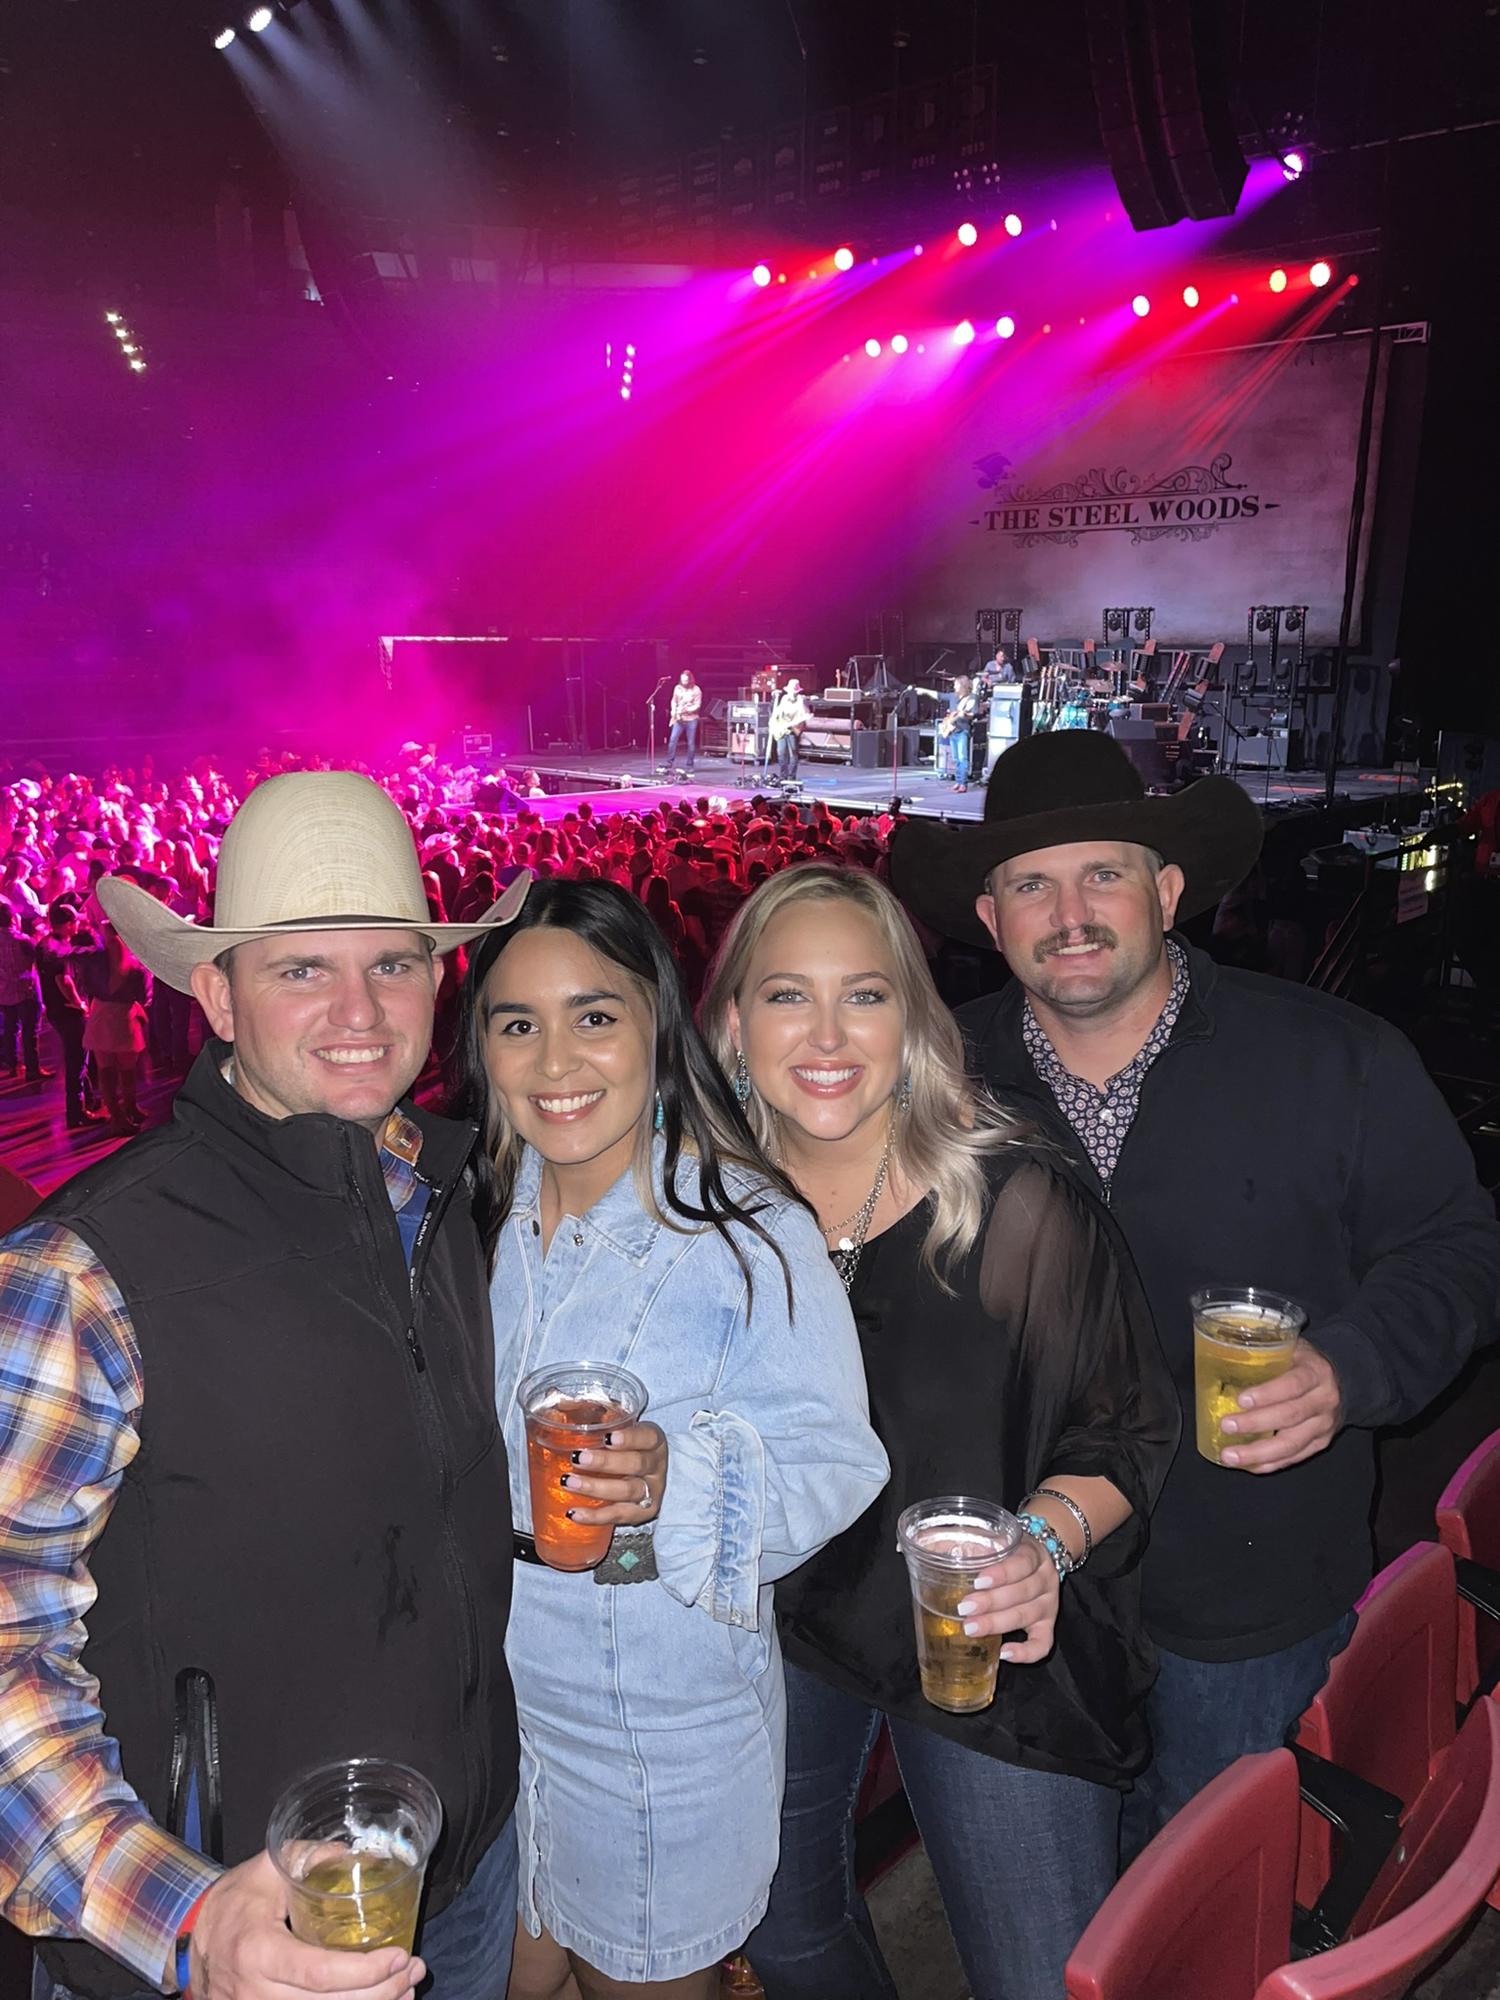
(683, 732)
(960, 743)
(466, 1948)
(1205, 1713)
(1022, 1858)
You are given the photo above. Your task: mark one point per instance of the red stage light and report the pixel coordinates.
(1278, 280)
(899, 343)
(1013, 225)
(762, 274)
(1140, 305)
(968, 235)
(1190, 295)
(963, 333)
(843, 258)
(1005, 326)
(1319, 274)
(872, 347)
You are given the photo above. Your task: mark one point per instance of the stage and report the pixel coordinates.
(569, 776)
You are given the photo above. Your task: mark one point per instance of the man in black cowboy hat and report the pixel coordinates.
(1244, 1131)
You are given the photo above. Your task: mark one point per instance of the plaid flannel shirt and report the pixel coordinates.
(79, 1855)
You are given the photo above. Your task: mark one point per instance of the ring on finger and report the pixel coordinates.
(645, 1499)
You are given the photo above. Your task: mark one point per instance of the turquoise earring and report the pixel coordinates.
(661, 1114)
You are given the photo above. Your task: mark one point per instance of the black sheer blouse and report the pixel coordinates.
(1045, 1361)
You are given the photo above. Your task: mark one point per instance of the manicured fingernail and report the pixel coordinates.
(577, 1457)
(564, 1480)
(971, 1628)
(609, 1437)
(1229, 1458)
(967, 1608)
(570, 1514)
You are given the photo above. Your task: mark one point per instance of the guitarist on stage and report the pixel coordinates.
(789, 718)
(957, 729)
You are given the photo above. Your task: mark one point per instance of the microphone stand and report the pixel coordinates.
(651, 725)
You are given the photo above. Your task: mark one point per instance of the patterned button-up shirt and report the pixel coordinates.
(1102, 1118)
(79, 1857)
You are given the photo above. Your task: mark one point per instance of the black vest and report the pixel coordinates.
(318, 1519)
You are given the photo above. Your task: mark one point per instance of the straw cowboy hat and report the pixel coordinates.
(310, 851)
(1067, 786)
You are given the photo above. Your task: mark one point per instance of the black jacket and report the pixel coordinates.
(1283, 1139)
(318, 1518)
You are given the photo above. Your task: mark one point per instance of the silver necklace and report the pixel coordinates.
(846, 1251)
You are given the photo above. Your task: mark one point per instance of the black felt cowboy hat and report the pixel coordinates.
(1068, 786)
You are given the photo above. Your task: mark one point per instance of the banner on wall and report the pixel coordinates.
(1207, 485)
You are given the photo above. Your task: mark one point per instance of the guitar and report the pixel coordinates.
(961, 717)
(784, 723)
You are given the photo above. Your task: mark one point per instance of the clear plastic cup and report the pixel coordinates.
(570, 1409)
(947, 1542)
(351, 1841)
(1242, 1336)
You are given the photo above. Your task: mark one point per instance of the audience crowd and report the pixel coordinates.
(691, 862)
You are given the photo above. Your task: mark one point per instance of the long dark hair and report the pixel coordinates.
(699, 1112)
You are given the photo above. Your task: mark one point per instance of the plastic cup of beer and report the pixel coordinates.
(947, 1543)
(1242, 1336)
(351, 1841)
(566, 1410)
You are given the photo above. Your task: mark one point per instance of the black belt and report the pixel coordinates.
(631, 1558)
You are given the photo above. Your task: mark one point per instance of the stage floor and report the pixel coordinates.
(922, 793)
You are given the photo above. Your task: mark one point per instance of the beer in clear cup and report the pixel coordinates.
(351, 1842)
(948, 1542)
(1242, 1336)
(570, 1409)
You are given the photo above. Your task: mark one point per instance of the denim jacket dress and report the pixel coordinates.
(652, 1714)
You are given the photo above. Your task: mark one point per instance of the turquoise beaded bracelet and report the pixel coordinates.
(1043, 1532)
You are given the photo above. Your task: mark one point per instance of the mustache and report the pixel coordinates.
(1094, 934)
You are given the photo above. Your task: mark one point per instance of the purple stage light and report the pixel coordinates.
(1277, 280)
(1319, 274)
(224, 37)
(899, 343)
(872, 347)
(1013, 225)
(843, 258)
(1140, 305)
(1005, 326)
(1190, 295)
(968, 235)
(761, 274)
(1293, 166)
(963, 333)
(916, 249)
(260, 20)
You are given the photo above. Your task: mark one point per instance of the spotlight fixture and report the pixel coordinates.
(872, 347)
(1293, 166)
(1013, 225)
(121, 332)
(843, 258)
(1319, 274)
(1005, 326)
(138, 367)
(224, 37)
(1277, 280)
(113, 318)
(963, 333)
(1190, 295)
(1140, 305)
(968, 235)
(762, 274)
(260, 20)
(899, 343)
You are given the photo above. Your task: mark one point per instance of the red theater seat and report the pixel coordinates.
(1386, 1712)
(1468, 1523)
(1206, 1910)
(1440, 1874)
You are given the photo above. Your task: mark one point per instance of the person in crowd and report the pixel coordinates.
(20, 1000)
(286, 1287)
(629, 1218)
(1010, 1355)
(684, 716)
(117, 988)
(63, 1004)
(1243, 1131)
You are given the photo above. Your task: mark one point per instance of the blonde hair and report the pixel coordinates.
(943, 1135)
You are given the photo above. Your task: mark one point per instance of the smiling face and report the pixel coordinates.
(567, 1037)
(1081, 926)
(819, 1018)
(337, 1022)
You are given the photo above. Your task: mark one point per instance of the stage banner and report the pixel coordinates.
(1201, 487)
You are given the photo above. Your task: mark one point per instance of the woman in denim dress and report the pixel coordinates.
(632, 1220)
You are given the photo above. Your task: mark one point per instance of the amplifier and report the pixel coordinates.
(1005, 719)
(829, 737)
(748, 722)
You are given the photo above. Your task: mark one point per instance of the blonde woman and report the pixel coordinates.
(1009, 1354)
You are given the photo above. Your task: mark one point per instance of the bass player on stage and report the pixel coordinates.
(789, 718)
(687, 706)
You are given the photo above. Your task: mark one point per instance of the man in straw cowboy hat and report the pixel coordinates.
(256, 1503)
(1244, 1131)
